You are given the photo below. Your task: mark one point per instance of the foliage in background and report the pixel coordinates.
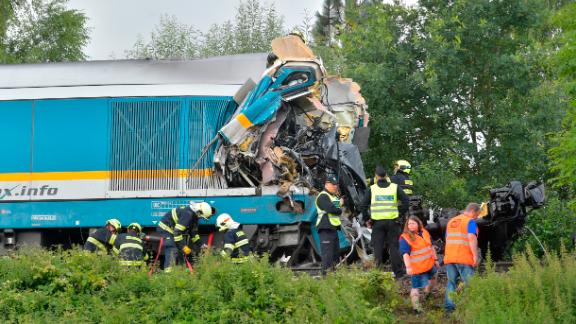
(41, 31)
(328, 22)
(432, 176)
(531, 291)
(553, 224)
(40, 286)
(462, 84)
(251, 31)
(564, 154)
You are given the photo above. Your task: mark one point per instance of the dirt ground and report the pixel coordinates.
(433, 307)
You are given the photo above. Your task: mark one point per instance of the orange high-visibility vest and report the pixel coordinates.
(457, 248)
(421, 256)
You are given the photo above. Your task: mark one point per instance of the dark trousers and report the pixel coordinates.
(329, 248)
(385, 236)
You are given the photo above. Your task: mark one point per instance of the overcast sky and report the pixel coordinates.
(116, 24)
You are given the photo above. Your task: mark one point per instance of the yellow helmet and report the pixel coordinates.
(404, 166)
(136, 227)
(115, 223)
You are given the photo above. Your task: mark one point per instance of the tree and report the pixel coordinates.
(41, 31)
(252, 30)
(328, 22)
(564, 153)
(461, 84)
(169, 40)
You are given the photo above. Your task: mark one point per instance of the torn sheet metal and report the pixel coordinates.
(294, 127)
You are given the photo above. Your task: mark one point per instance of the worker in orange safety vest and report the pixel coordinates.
(419, 258)
(461, 250)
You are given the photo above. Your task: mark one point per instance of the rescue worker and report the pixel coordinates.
(386, 215)
(328, 223)
(130, 248)
(102, 240)
(175, 223)
(236, 245)
(461, 250)
(401, 177)
(372, 180)
(419, 258)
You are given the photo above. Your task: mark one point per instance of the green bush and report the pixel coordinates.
(71, 286)
(533, 291)
(553, 224)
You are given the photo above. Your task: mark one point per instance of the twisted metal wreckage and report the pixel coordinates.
(298, 124)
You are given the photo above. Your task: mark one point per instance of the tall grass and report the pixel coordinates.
(71, 286)
(533, 291)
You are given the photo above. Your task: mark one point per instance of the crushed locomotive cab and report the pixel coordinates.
(294, 126)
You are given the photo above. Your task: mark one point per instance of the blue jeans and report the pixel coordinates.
(454, 272)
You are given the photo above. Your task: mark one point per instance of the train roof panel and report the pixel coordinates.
(223, 70)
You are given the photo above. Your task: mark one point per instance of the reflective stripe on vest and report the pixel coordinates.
(384, 202)
(166, 228)
(457, 248)
(241, 259)
(408, 187)
(421, 254)
(130, 246)
(98, 244)
(174, 215)
(128, 263)
(334, 219)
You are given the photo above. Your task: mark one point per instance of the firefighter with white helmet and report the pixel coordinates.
(103, 239)
(175, 223)
(401, 177)
(236, 245)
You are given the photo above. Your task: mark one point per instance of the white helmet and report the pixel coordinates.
(224, 221)
(202, 209)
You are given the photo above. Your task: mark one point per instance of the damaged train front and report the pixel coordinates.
(293, 128)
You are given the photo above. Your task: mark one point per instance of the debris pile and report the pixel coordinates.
(294, 126)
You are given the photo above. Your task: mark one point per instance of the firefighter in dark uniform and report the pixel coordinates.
(177, 222)
(328, 223)
(401, 177)
(130, 248)
(382, 199)
(103, 239)
(236, 245)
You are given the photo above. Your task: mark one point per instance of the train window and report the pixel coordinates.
(286, 206)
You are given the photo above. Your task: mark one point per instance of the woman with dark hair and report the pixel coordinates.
(419, 258)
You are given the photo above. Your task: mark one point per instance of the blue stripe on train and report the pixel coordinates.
(146, 211)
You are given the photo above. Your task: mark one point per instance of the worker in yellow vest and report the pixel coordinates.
(461, 250)
(387, 215)
(328, 204)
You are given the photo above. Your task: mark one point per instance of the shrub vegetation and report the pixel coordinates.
(71, 286)
(533, 291)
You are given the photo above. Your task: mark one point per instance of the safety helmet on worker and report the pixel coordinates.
(114, 223)
(404, 166)
(202, 209)
(224, 221)
(136, 227)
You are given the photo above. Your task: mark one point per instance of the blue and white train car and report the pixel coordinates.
(85, 142)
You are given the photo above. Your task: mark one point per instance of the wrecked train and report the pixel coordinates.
(132, 139)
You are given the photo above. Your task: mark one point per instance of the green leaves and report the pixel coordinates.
(462, 84)
(251, 31)
(73, 286)
(41, 31)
